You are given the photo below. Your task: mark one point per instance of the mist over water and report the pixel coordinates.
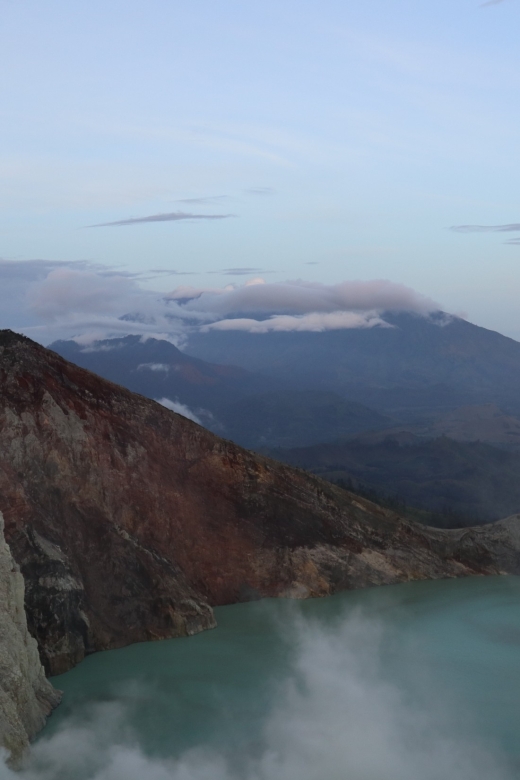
(411, 682)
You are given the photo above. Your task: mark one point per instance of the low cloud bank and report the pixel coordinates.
(300, 297)
(314, 323)
(337, 715)
(90, 303)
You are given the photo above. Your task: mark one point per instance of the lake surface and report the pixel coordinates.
(420, 680)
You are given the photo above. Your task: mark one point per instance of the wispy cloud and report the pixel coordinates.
(509, 228)
(208, 199)
(491, 2)
(241, 271)
(172, 272)
(515, 241)
(175, 216)
(260, 191)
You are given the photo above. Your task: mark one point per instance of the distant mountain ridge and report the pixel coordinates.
(157, 368)
(419, 367)
(397, 447)
(466, 482)
(431, 375)
(255, 411)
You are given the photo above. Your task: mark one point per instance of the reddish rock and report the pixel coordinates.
(129, 521)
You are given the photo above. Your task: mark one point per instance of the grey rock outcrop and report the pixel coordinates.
(26, 696)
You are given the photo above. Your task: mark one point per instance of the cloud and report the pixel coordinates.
(187, 293)
(337, 713)
(242, 271)
(515, 241)
(87, 302)
(299, 297)
(89, 291)
(154, 367)
(172, 272)
(173, 217)
(31, 270)
(510, 228)
(18, 277)
(103, 348)
(491, 2)
(315, 322)
(260, 191)
(209, 199)
(90, 305)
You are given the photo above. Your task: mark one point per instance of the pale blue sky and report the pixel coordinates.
(344, 138)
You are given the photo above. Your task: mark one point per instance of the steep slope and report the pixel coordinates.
(250, 409)
(26, 697)
(129, 522)
(157, 369)
(471, 480)
(486, 423)
(296, 418)
(420, 365)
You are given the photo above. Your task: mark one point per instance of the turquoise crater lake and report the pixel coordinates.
(420, 680)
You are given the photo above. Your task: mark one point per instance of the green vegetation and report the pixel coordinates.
(447, 518)
(439, 481)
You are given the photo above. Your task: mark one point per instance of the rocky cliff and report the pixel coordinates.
(130, 522)
(26, 696)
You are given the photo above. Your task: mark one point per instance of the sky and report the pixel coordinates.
(148, 146)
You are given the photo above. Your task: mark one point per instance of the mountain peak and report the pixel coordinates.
(9, 338)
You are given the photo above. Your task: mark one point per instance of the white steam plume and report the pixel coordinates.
(337, 717)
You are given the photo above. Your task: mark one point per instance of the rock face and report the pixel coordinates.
(26, 696)
(130, 522)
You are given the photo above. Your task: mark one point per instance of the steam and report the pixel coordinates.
(180, 408)
(336, 717)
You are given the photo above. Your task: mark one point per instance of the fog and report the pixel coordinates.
(336, 715)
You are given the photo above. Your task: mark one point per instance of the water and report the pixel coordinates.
(420, 680)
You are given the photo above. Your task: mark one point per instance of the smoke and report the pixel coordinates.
(337, 716)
